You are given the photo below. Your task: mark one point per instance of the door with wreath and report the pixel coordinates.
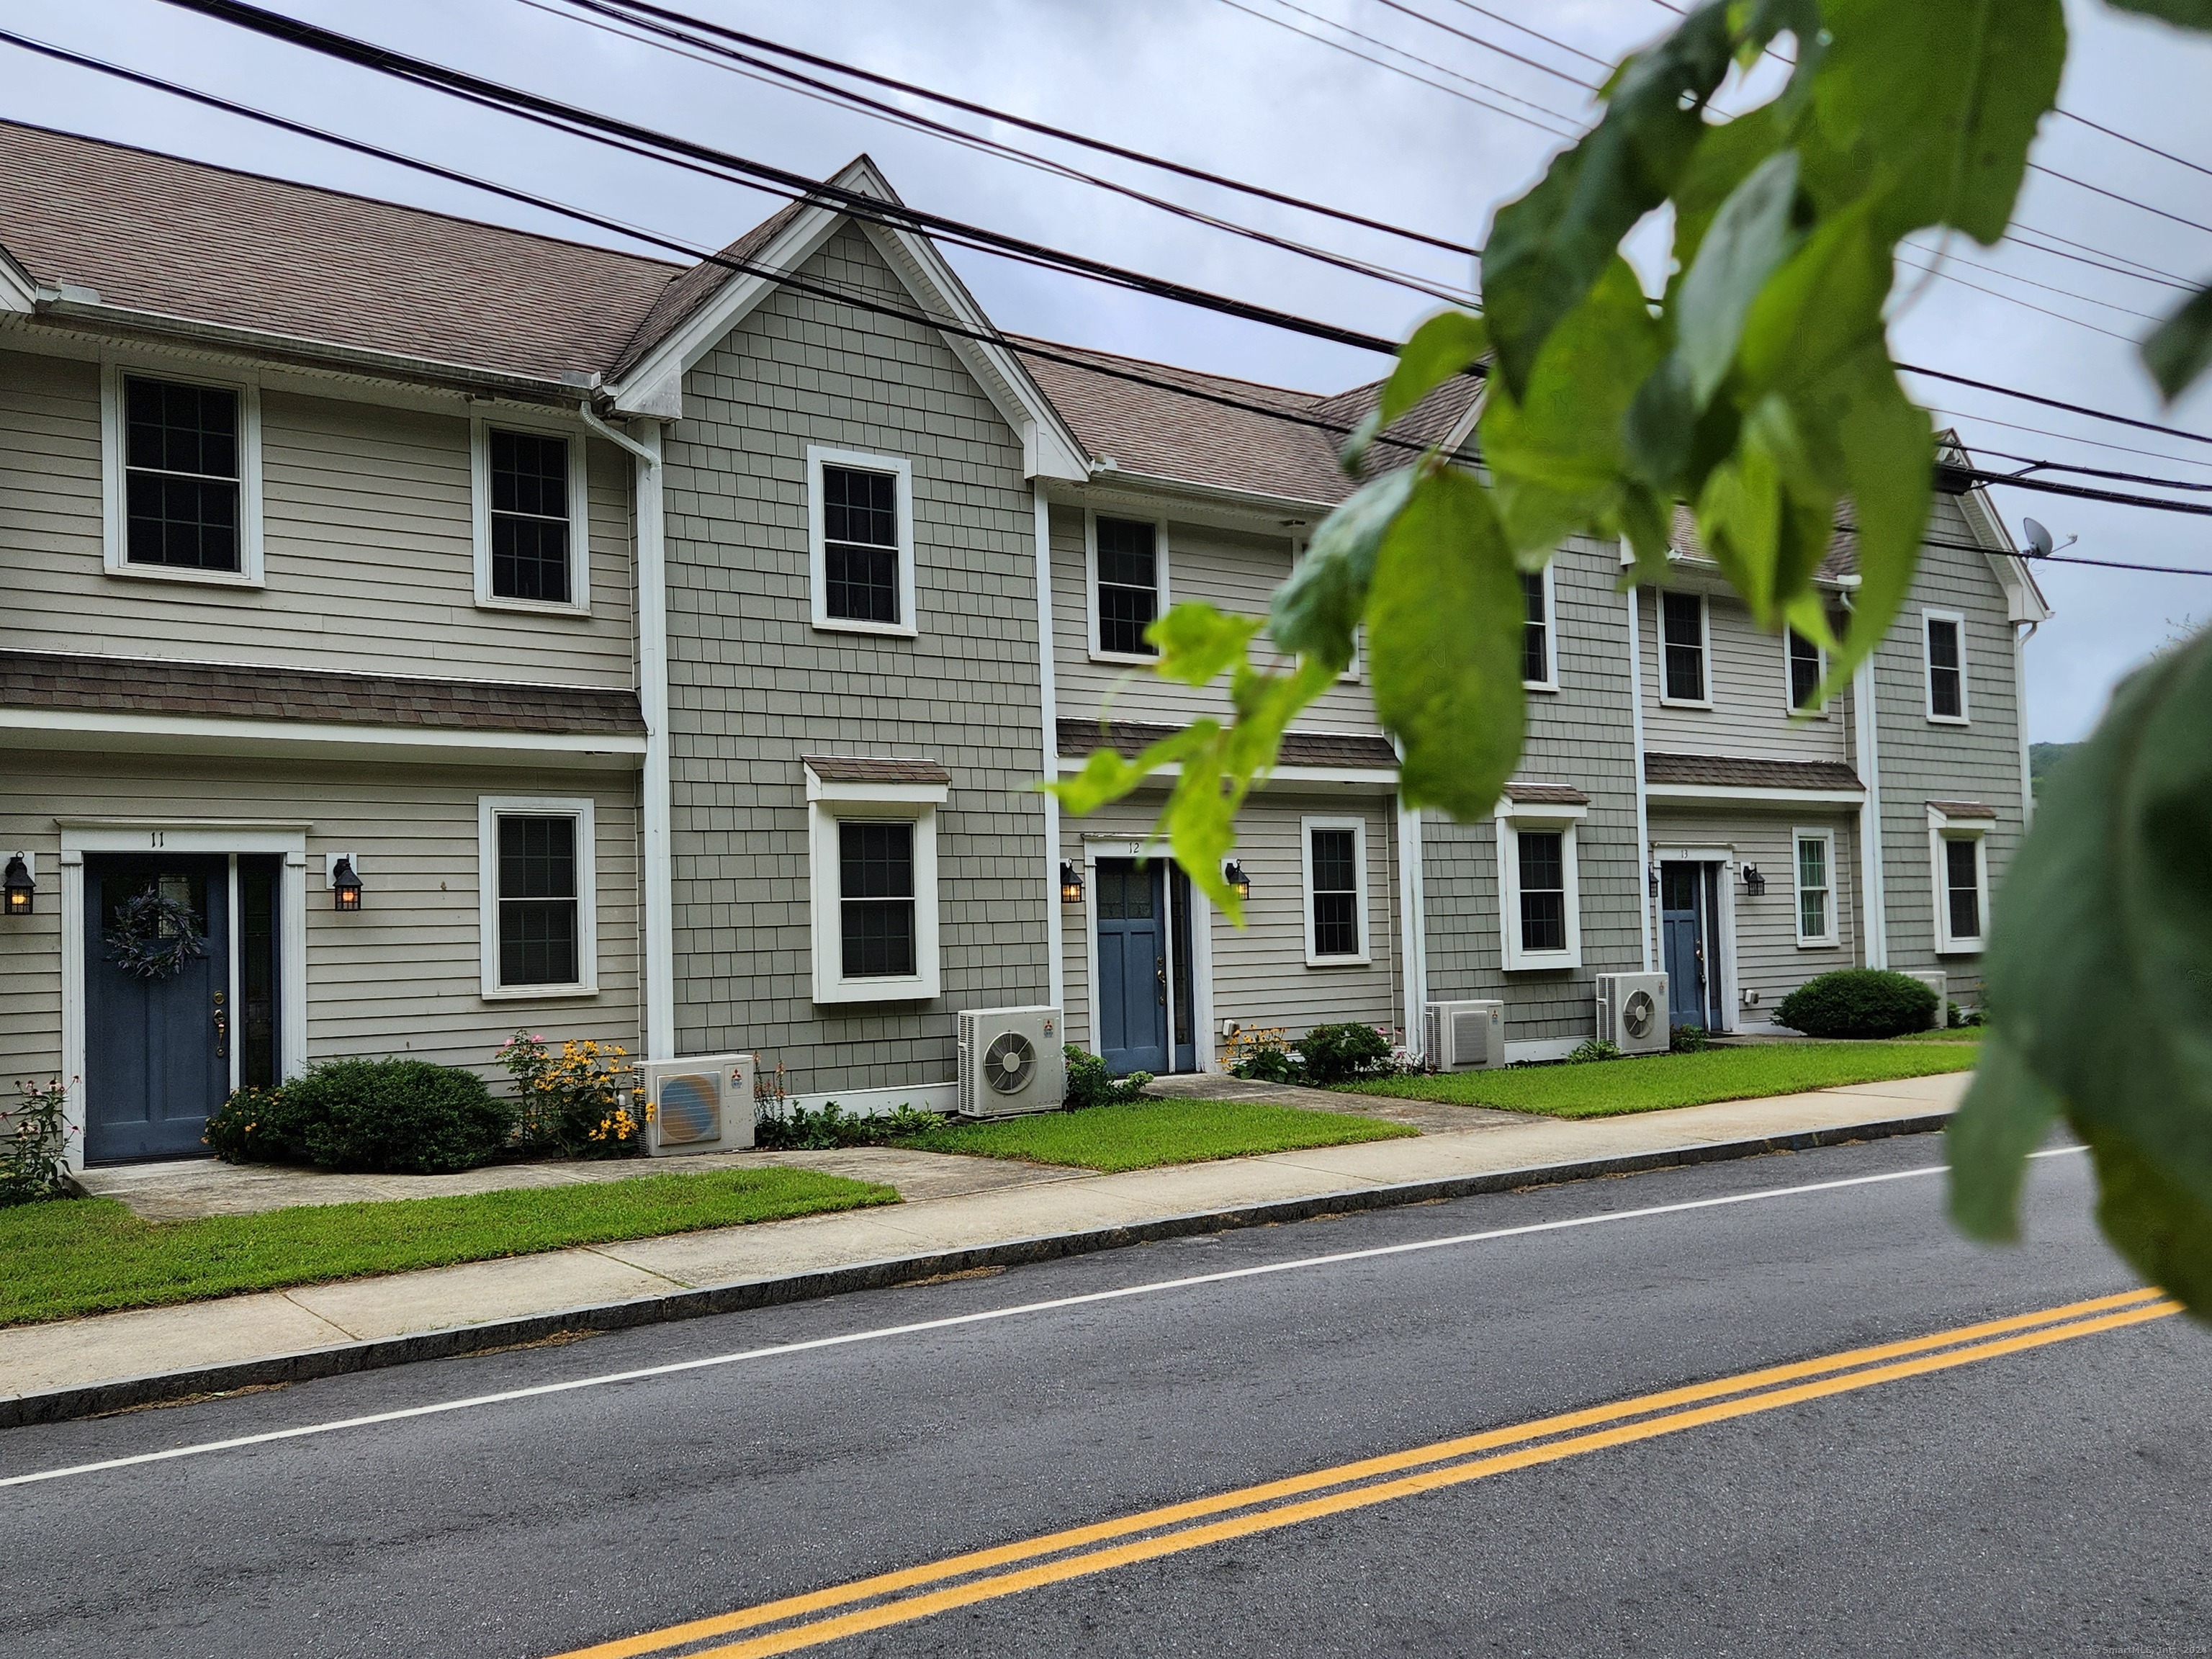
(159, 1026)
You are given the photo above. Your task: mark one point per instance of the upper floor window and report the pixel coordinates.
(530, 518)
(1128, 585)
(1336, 891)
(1807, 666)
(1536, 630)
(860, 541)
(1682, 648)
(1944, 633)
(540, 932)
(181, 466)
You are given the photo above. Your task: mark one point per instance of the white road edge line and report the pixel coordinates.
(539, 1390)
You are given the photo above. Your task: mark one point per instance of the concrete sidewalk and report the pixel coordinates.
(74, 1367)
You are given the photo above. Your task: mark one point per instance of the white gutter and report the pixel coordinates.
(652, 696)
(1643, 804)
(614, 436)
(1049, 702)
(1873, 901)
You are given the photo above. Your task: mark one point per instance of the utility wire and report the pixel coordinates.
(2034, 465)
(1500, 17)
(1490, 46)
(2055, 403)
(2084, 492)
(1427, 62)
(2114, 195)
(2066, 437)
(2047, 558)
(677, 43)
(2014, 299)
(625, 135)
(2063, 293)
(2112, 132)
(2109, 253)
(2017, 239)
(643, 9)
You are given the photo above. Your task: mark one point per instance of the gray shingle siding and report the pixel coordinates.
(753, 686)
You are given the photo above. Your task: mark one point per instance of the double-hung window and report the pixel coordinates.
(1962, 887)
(860, 522)
(875, 900)
(1128, 585)
(1536, 630)
(1807, 664)
(1336, 891)
(1539, 889)
(538, 924)
(1944, 636)
(873, 875)
(1682, 649)
(531, 508)
(181, 461)
(1959, 873)
(1816, 879)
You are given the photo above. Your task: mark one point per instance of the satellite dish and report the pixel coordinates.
(2038, 538)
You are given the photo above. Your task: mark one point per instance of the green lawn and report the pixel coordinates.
(1607, 1088)
(1146, 1133)
(1945, 1034)
(91, 1255)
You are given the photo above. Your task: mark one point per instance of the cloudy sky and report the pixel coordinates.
(1390, 110)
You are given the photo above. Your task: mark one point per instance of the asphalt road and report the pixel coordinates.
(2045, 1501)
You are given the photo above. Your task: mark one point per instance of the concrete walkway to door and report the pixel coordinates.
(1007, 1213)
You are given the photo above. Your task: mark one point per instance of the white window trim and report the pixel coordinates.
(1942, 828)
(1818, 711)
(1363, 958)
(1550, 682)
(818, 561)
(1091, 517)
(490, 810)
(829, 804)
(114, 451)
(1705, 648)
(1811, 941)
(1512, 818)
(580, 509)
(1965, 716)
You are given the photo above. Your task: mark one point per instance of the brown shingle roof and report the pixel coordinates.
(158, 233)
(1841, 560)
(1738, 772)
(1964, 809)
(143, 685)
(872, 769)
(1545, 794)
(683, 299)
(1328, 748)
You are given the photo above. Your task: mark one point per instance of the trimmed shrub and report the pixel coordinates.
(1089, 1084)
(256, 1126)
(1690, 1040)
(1859, 1002)
(796, 1129)
(406, 1116)
(1338, 1053)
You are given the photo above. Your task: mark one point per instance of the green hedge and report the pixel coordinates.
(372, 1115)
(1859, 1002)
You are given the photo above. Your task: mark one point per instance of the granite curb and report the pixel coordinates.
(92, 1400)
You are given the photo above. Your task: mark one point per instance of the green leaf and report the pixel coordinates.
(1931, 107)
(1726, 156)
(1889, 454)
(1316, 611)
(2185, 14)
(1449, 344)
(1751, 236)
(2180, 348)
(2157, 1222)
(2004, 1117)
(1444, 624)
(1560, 459)
(1546, 251)
(1197, 641)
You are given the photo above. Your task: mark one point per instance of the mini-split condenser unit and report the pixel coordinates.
(1011, 1061)
(1631, 1012)
(1464, 1036)
(702, 1105)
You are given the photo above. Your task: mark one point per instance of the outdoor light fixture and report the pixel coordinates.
(1071, 883)
(345, 885)
(1753, 883)
(1651, 877)
(1233, 876)
(17, 886)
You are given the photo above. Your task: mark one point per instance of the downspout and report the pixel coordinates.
(1873, 899)
(1636, 737)
(1049, 702)
(653, 694)
(2020, 640)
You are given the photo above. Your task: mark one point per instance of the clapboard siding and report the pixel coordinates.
(1748, 684)
(402, 975)
(367, 550)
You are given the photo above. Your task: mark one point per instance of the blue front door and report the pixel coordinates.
(157, 1050)
(1682, 941)
(1132, 966)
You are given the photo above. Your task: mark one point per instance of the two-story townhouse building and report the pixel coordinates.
(457, 630)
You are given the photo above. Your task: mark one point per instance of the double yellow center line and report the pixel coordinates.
(795, 1622)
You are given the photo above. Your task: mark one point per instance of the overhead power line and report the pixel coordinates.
(629, 137)
(2048, 558)
(2113, 132)
(2056, 402)
(2114, 195)
(1500, 17)
(2048, 288)
(1042, 128)
(730, 60)
(2031, 464)
(1426, 63)
(2017, 239)
(2066, 437)
(1490, 46)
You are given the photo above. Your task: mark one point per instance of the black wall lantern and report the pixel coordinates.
(1071, 883)
(16, 885)
(345, 884)
(1753, 883)
(1233, 877)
